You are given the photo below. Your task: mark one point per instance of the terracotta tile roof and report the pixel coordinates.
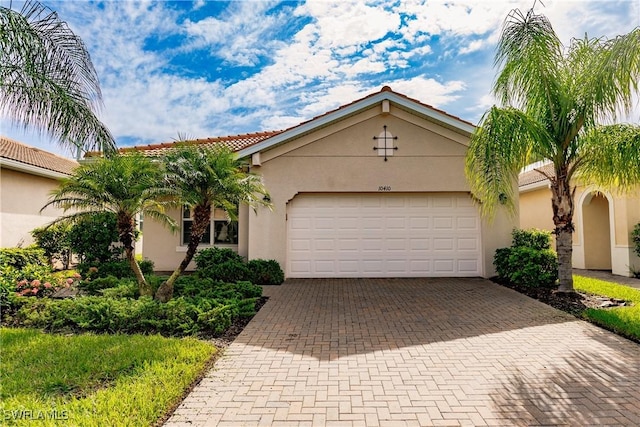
(240, 142)
(235, 142)
(19, 152)
(533, 176)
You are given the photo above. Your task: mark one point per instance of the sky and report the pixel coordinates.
(213, 68)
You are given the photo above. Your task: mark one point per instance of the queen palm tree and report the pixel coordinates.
(204, 179)
(47, 79)
(559, 105)
(126, 185)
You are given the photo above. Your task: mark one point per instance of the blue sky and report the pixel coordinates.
(214, 68)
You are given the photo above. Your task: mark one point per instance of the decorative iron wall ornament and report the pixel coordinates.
(385, 143)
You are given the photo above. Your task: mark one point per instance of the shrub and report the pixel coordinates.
(95, 238)
(635, 238)
(116, 268)
(265, 272)
(211, 257)
(529, 261)
(228, 271)
(54, 240)
(20, 257)
(531, 238)
(94, 286)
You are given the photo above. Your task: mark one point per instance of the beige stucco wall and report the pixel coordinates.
(623, 213)
(22, 195)
(341, 158)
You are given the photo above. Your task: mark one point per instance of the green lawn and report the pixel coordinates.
(94, 380)
(624, 320)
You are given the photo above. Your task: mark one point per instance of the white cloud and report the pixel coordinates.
(343, 51)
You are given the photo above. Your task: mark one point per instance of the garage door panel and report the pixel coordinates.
(442, 223)
(327, 245)
(467, 244)
(383, 235)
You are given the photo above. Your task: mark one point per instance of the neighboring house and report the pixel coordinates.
(27, 176)
(375, 188)
(603, 222)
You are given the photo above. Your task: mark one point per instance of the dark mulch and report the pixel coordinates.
(573, 303)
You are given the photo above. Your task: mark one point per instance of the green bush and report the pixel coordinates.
(200, 306)
(95, 238)
(211, 257)
(531, 238)
(522, 265)
(116, 268)
(54, 240)
(635, 238)
(24, 270)
(20, 257)
(228, 271)
(265, 272)
(94, 286)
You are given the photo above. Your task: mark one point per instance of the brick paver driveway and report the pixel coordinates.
(416, 352)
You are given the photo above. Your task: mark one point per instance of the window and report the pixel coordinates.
(224, 231)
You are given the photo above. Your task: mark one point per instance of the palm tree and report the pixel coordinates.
(556, 106)
(126, 185)
(204, 179)
(47, 80)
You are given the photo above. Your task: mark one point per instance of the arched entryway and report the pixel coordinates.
(596, 232)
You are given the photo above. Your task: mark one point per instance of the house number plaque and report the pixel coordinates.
(384, 188)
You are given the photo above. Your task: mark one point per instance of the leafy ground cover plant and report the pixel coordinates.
(95, 380)
(201, 307)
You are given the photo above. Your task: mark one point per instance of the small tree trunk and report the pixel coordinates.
(126, 227)
(562, 203)
(201, 220)
(143, 286)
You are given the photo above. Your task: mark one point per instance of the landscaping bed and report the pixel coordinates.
(609, 305)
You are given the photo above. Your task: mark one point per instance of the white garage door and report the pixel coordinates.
(383, 235)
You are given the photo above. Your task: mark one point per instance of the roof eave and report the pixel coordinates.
(534, 186)
(349, 110)
(31, 169)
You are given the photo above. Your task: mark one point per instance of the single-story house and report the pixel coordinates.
(27, 176)
(603, 221)
(374, 188)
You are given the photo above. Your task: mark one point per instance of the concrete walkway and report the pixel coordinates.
(607, 276)
(416, 352)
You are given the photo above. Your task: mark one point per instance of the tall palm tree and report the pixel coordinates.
(556, 106)
(47, 79)
(126, 185)
(204, 179)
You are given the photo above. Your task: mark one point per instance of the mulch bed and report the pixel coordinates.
(573, 303)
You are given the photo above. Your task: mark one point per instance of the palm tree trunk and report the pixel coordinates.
(143, 286)
(201, 219)
(563, 208)
(126, 227)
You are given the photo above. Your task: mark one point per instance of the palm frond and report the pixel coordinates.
(504, 142)
(47, 80)
(610, 157)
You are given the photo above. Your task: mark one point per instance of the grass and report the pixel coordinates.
(623, 320)
(94, 380)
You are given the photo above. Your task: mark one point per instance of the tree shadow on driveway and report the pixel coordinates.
(331, 318)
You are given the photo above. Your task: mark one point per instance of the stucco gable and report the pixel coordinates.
(379, 103)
